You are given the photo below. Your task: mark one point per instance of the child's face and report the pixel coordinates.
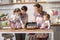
(17, 13)
(45, 17)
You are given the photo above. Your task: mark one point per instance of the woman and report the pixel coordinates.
(39, 13)
(24, 18)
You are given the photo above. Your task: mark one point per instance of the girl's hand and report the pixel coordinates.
(12, 25)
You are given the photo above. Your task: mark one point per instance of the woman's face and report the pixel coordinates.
(37, 9)
(23, 11)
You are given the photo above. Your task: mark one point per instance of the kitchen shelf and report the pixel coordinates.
(55, 7)
(21, 3)
(36, 2)
(30, 3)
(6, 4)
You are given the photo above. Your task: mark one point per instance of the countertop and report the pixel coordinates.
(55, 24)
(27, 31)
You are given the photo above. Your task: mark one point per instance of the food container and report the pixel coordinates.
(31, 25)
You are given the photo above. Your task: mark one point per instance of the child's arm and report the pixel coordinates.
(45, 25)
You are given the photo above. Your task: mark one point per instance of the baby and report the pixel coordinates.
(45, 25)
(15, 19)
(46, 22)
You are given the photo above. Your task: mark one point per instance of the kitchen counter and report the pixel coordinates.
(50, 31)
(26, 31)
(56, 28)
(55, 25)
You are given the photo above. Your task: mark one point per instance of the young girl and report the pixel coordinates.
(15, 19)
(44, 25)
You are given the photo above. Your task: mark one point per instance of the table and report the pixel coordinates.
(29, 31)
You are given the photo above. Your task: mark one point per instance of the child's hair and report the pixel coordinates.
(24, 8)
(48, 16)
(17, 10)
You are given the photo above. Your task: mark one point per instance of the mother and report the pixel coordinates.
(38, 14)
(24, 18)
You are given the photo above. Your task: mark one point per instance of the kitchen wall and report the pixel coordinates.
(46, 6)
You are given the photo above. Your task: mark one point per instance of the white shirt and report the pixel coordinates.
(39, 20)
(48, 24)
(12, 17)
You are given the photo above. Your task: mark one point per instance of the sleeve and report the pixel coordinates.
(48, 24)
(11, 17)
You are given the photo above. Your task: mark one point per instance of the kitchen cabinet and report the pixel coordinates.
(56, 28)
(51, 32)
(5, 1)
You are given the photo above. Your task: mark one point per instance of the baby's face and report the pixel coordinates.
(45, 17)
(17, 13)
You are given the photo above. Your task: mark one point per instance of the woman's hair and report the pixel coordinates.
(38, 6)
(17, 10)
(24, 8)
